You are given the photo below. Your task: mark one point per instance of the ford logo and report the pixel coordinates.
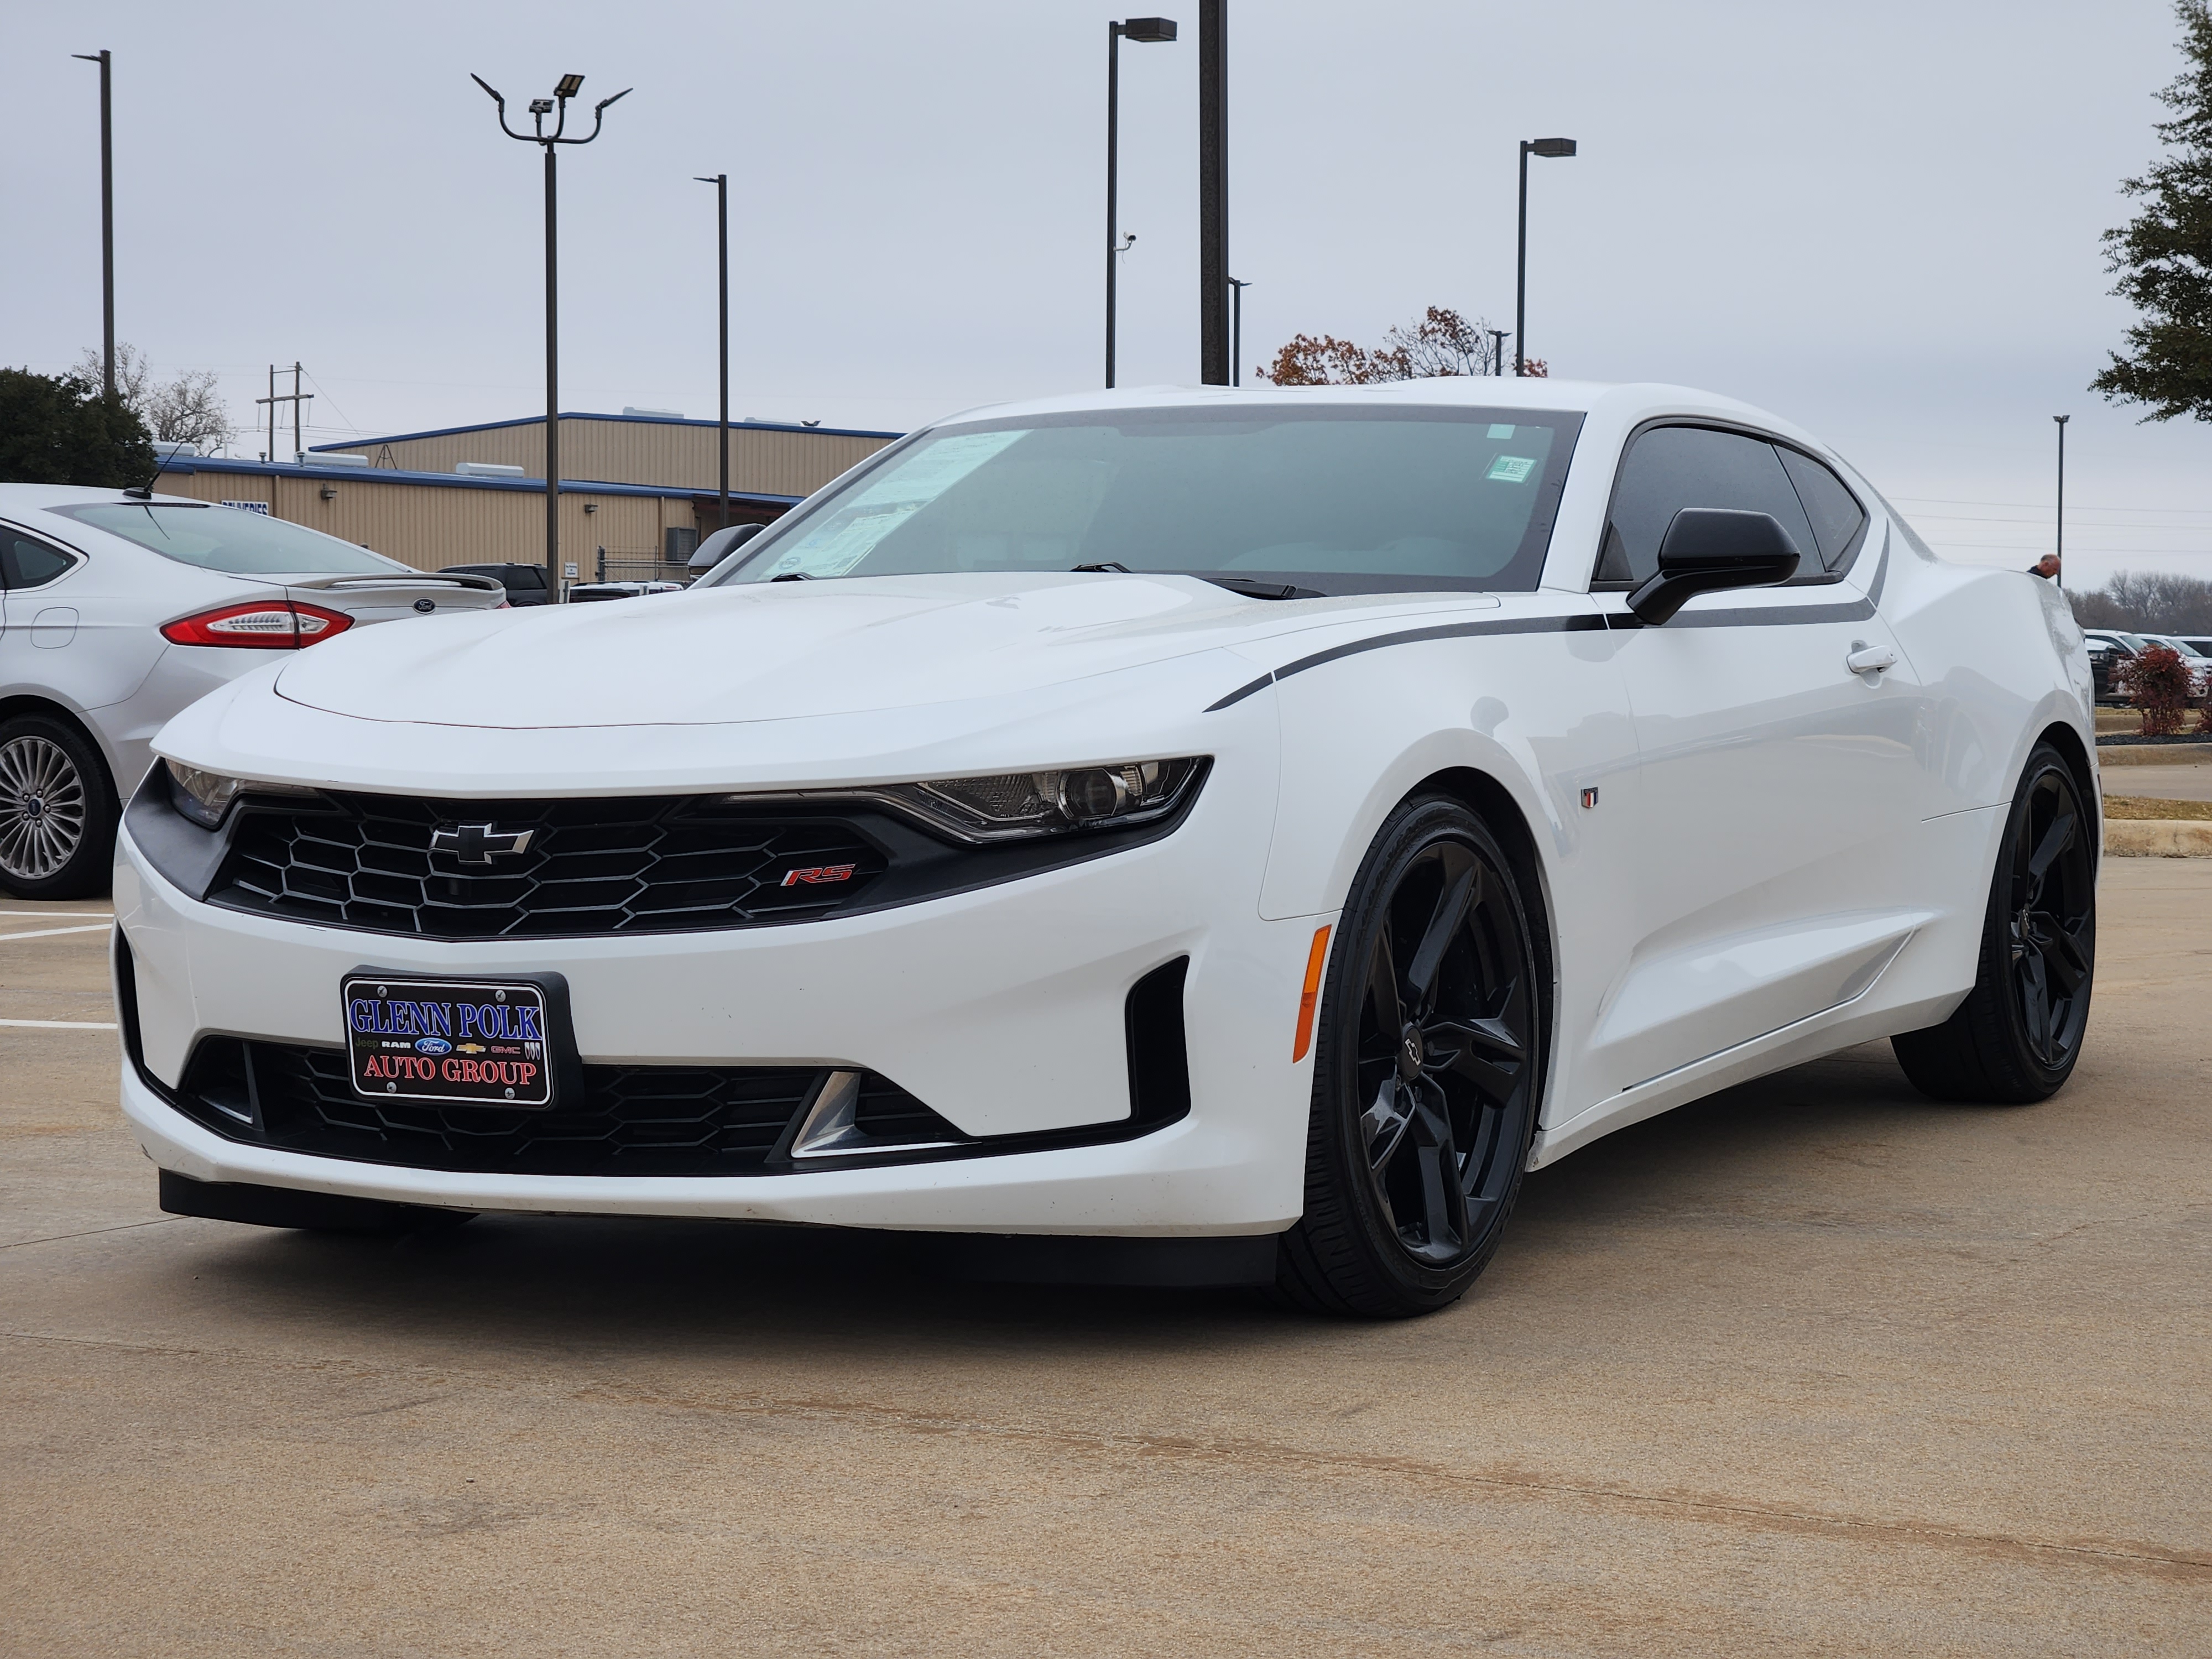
(433, 1045)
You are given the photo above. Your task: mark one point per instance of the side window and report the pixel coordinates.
(1671, 467)
(1836, 514)
(27, 564)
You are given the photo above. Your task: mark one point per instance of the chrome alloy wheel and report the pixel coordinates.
(42, 808)
(1441, 1061)
(2051, 917)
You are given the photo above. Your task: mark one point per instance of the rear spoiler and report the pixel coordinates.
(325, 583)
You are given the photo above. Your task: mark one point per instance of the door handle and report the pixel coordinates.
(1864, 659)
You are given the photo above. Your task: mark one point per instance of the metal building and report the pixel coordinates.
(637, 491)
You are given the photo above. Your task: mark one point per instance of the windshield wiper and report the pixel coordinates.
(1256, 590)
(1102, 567)
(791, 576)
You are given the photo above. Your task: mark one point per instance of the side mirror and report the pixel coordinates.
(1709, 549)
(719, 545)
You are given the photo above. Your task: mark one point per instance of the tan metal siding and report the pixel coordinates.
(641, 452)
(430, 526)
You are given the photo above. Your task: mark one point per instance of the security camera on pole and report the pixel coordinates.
(557, 107)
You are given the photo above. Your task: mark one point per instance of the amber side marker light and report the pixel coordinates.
(1307, 998)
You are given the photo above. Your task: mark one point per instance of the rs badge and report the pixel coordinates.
(818, 875)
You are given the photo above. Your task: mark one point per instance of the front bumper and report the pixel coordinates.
(1001, 1009)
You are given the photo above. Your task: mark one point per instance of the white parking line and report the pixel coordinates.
(60, 915)
(61, 1025)
(53, 932)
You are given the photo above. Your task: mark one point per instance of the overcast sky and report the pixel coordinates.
(1879, 220)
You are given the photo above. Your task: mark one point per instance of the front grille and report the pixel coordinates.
(591, 866)
(630, 1119)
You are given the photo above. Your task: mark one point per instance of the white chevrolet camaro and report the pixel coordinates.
(1255, 826)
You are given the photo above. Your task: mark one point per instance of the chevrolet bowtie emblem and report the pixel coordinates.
(479, 843)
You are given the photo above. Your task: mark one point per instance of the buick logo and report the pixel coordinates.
(479, 843)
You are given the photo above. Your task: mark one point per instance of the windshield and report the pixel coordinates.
(231, 540)
(1327, 499)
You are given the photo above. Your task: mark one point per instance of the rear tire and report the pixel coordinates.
(2015, 1038)
(56, 812)
(1427, 1074)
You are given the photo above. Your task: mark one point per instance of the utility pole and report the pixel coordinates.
(2060, 550)
(295, 397)
(1213, 192)
(1497, 351)
(106, 219)
(721, 184)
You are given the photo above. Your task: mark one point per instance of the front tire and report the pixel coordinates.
(56, 812)
(2015, 1038)
(1427, 1069)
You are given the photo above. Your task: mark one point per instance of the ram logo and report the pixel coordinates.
(818, 875)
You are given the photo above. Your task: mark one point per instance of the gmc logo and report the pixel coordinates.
(818, 875)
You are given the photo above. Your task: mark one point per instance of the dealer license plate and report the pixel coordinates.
(478, 1042)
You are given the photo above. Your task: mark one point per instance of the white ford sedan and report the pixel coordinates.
(120, 607)
(1255, 826)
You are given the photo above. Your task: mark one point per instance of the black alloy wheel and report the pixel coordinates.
(2016, 1038)
(1426, 1072)
(57, 816)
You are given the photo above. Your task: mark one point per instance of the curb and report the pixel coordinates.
(2157, 838)
(2154, 754)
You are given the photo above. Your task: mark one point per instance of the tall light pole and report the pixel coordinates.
(1528, 147)
(1146, 31)
(107, 218)
(721, 184)
(1236, 332)
(1213, 192)
(568, 88)
(1497, 351)
(2060, 549)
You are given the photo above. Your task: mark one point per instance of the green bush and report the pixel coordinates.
(59, 429)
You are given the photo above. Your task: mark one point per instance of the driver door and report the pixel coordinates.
(1779, 783)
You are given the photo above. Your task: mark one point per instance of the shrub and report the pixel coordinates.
(2157, 684)
(2205, 712)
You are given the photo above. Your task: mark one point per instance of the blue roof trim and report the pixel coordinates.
(451, 480)
(576, 415)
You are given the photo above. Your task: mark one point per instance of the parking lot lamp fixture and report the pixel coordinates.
(106, 220)
(2060, 550)
(721, 184)
(1236, 331)
(1146, 31)
(1528, 147)
(1497, 351)
(556, 106)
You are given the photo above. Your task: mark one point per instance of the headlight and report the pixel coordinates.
(1024, 805)
(205, 797)
(1007, 805)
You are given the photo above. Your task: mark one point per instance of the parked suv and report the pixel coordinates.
(118, 609)
(525, 584)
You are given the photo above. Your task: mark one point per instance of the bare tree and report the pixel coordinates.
(2147, 602)
(187, 409)
(1443, 342)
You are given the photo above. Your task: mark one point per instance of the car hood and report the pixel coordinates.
(790, 650)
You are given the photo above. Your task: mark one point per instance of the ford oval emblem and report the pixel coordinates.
(433, 1045)
(426, 604)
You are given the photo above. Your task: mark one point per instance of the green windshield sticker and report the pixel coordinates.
(1511, 468)
(1501, 431)
(851, 533)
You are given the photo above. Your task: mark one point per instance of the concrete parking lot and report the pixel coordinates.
(1812, 1367)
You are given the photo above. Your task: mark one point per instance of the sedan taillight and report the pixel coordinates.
(266, 625)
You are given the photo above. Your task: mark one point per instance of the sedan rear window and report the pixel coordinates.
(1329, 498)
(228, 539)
